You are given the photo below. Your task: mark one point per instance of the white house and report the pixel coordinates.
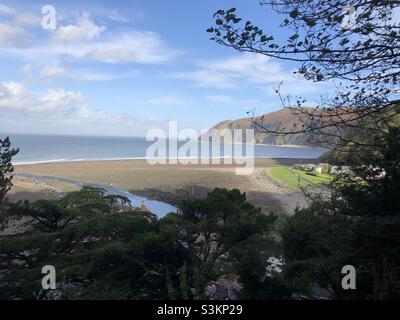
(319, 170)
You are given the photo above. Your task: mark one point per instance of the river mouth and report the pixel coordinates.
(160, 209)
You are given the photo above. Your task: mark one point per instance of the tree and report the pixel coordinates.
(100, 252)
(359, 225)
(212, 230)
(6, 155)
(252, 264)
(354, 44)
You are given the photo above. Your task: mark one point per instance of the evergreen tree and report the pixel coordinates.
(101, 249)
(359, 226)
(211, 231)
(6, 155)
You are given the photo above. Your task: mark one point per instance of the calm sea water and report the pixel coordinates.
(43, 148)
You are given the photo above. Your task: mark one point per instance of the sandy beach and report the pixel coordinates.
(167, 183)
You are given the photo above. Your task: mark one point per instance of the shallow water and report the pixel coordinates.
(160, 209)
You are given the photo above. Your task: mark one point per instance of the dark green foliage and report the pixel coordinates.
(252, 263)
(316, 245)
(97, 252)
(359, 226)
(6, 155)
(101, 249)
(211, 229)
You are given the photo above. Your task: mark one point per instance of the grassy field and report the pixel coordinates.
(321, 178)
(284, 175)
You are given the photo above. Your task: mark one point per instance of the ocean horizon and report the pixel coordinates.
(35, 148)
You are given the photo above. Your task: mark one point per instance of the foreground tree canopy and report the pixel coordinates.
(359, 225)
(101, 249)
(6, 154)
(355, 46)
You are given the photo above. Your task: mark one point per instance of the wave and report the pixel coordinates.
(20, 163)
(39, 162)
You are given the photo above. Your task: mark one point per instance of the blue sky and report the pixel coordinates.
(124, 67)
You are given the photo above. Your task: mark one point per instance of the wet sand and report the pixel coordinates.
(167, 183)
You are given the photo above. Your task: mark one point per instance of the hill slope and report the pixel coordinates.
(283, 118)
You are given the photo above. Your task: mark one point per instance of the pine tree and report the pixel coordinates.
(6, 167)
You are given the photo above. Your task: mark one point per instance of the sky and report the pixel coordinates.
(124, 67)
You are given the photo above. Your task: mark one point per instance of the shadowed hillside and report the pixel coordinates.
(283, 119)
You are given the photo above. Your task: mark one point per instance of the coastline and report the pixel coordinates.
(169, 183)
(39, 162)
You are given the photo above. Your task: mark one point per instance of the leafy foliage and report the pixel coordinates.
(101, 250)
(359, 225)
(352, 42)
(211, 229)
(6, 155)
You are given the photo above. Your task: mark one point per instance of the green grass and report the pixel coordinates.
(321, 178)
(284, 175)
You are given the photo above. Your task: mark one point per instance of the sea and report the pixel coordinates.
(58, 148)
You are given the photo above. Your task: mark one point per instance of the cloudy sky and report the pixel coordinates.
(122, 68)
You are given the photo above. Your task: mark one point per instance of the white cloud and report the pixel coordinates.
(103, 76)
(84, 29)
(52, 71)
(246, 104)
(6, 10)
(85, 40)
(136, 46)
(255, 68)
(56, 71)
(13, 36)
(168, 100)
(11, 89)
(15, 96)
(297, 87)
(209, 78)
(28, 19)
(248, 69)
(26, 68)
(12, 32)
(115, 15)
(234, 72)
(131, 47)
(58, 100)
(220, 99)
(62, 111)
